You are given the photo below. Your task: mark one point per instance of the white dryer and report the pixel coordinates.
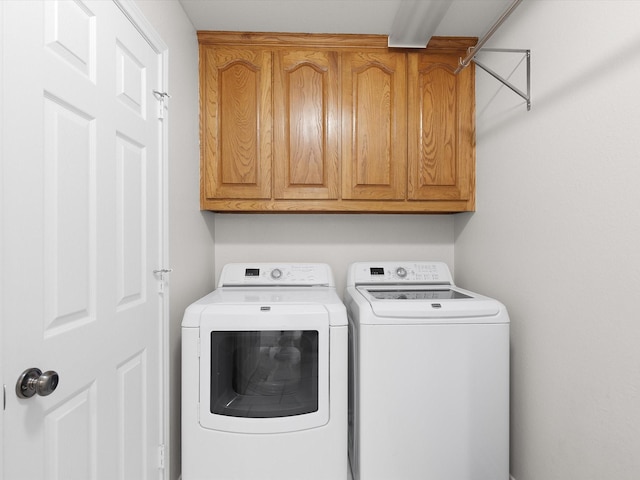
(429, 376)
(264, 377)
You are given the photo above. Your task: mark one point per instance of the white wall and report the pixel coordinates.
(190, 231)
(334, 239)
(556, 236)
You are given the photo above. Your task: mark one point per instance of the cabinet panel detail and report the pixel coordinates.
(438, 135)
(236, 123)
(441, 135)
(305, 122)
(374, 126)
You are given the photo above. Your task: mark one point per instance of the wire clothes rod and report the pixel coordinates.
(474, 50)
(527, 53)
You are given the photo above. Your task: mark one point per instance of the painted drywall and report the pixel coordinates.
(334, 239)
(556, 235)
(190, 231)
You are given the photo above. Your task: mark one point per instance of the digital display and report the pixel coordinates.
(377, 271)
(252, 272)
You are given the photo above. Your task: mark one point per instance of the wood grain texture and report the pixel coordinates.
(441, 128)
(335, 123)
(337, 206)
(276, 40)
(306, 125)
(334, 42)
(236, 118)
(374, 128)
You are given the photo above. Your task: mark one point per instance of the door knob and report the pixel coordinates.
(33, 381)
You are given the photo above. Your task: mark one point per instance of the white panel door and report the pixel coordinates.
(81, 237)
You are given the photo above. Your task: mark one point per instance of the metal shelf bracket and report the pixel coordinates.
(473, 51)
(507, 83)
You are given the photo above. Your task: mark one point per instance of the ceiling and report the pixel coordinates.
(406, 22)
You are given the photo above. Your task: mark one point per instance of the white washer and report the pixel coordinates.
(264, 376)
(429, 376)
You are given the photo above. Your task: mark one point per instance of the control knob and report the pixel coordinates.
(401, 272)
(276, 273)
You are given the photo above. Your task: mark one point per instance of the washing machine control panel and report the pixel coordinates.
(399, 272)
(275, 274)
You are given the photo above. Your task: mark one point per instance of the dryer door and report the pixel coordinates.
(264, 369)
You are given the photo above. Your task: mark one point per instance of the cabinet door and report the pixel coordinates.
(374, 122)
(306, 125)
(441, 128)
(236, 122)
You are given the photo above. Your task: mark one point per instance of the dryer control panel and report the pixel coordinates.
(379, 273)
(276, 274)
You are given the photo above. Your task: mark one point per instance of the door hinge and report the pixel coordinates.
(161, 453)
(161, 273)
(162, 98)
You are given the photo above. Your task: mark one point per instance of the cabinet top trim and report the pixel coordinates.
(321, 40)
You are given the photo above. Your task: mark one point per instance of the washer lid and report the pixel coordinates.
(427, 301)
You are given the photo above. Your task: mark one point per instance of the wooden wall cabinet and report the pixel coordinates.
(236, 123)
(335, 123)
(441, 133)
(306, 119)
(374, 116)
